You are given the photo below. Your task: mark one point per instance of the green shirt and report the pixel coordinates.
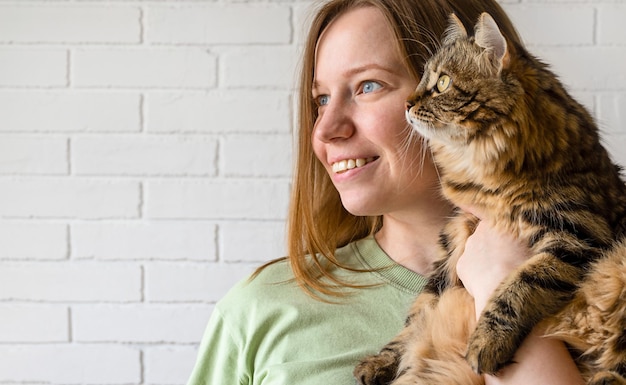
(269, 332)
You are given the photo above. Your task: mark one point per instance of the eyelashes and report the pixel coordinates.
(365, 87)
(322, 100)
(369, 86)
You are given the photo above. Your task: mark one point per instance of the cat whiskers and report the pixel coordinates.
(411, 139)
(425, 148)
(426, 35)
(428, 42)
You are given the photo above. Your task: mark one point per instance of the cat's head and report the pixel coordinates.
(461, 94)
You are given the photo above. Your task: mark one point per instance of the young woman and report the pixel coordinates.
(365, 214)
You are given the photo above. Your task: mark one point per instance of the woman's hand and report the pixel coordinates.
(490, 255)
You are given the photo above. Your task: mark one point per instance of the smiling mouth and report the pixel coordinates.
(349, 164)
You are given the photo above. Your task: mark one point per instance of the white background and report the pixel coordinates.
(145, 162)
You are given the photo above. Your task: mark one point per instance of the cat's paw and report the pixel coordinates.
(376, 370)
(607, 378)
(490, 349)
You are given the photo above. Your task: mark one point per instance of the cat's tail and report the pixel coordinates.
(594, 323)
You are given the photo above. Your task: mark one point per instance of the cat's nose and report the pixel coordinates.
(409, 104)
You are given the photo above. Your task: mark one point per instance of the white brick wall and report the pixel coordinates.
(145, 155)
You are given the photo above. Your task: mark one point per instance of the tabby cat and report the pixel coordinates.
(507, 137)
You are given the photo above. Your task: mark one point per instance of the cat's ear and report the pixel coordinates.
(456, 30)
(488, 36)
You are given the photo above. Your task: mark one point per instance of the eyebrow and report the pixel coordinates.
(363, 68)
(367, 67)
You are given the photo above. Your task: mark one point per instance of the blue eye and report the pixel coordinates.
(322, 100)
(371, 86)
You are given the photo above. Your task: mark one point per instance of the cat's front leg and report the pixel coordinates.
(607, 378)
(382, 368)
(537, 289)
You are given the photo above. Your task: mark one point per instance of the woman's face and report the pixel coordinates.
(361, 135)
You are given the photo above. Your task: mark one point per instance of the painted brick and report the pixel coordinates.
(302, 15)
(169, 364)
(242, 67)
(612, 112)
(144, 155)
(33, 155)
(611, 26)
(258, 111)
(139, 323)
(33, 241)
(167, 282)
(559, 25)
(218, 24)
(70, 364)
(216, 200)
(69, 281)
(33, 323)
(67, 111)
(69, 24)
(587, 99)
(616, 143)
(578, 67)
(258, 155)
(68, 198)
(144, 240)
(146, 68)
(35, 67)
(251, 241)
(158, 70)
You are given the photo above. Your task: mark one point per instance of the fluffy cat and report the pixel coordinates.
(507, 137)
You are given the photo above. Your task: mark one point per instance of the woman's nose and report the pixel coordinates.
(334, 122)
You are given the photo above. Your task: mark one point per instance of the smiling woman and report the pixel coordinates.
(362, 117)
(365, 214)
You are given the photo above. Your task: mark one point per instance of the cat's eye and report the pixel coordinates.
(443, 83)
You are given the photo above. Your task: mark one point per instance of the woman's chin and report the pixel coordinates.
(359, 209)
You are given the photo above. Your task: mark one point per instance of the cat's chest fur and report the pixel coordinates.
(477, 174)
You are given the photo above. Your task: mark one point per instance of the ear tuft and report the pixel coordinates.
(488, 36)
(456, 30)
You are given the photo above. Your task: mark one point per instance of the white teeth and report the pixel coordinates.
(339, 166)
(349, 164)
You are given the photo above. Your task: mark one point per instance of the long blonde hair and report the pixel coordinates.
(318, 224)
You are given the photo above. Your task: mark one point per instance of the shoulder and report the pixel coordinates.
(277, 281)
(270, 318)
(364, 264)
(259, 292)
(274, 288)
